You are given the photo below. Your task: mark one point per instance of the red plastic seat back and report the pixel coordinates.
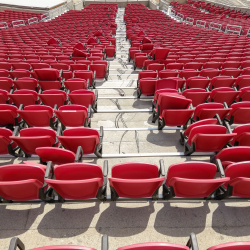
(19, 73)
(147, 86)
(209, 138)
(242, 81)
(243, 135)
(100, 70)
(6, 83)
(25, 97)
(75, 84)
(37, 115)
(40, 66)
(52, 97)
(239, 174)
(193, 179)
(47, 74)
(26, 83)
(197, 82)
(21, 181)
(161, 53)
(209, 110)
(87, 138)
(240, 245)
(176, 117)
(156, 67)
(77, 180)
(78, 67)
(210, 73)
(240, 112)
(199, 123)
(82, 97)
(72, 115)
(224, 94)
(135, 180)
(186, 74)
(198, 96)
(191, 170)
(84, 74)
(222, 81)
(170, 101)
(56, 155)
(166, 84)
(139, 60)
(7, 114)
(147, 74)
(168, 73)
(5, 140)
(31, 138)
(156, 246)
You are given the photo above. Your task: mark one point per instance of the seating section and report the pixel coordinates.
(8, 16)
(217, 18)
(198, 80)
(192, 243)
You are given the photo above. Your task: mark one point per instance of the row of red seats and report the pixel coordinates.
(191, 244)
(197, 89)
(8, 16)
(192, 179)
(213, 17)
(197, 81)
(51, 78)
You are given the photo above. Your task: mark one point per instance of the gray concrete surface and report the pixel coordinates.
(126, 222)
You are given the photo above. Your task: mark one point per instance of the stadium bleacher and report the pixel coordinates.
(120, 106)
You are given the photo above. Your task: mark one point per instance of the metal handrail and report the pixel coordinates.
(18, 23)
(3, 25)
(180, 17)
(200, 23)
(33, 20)
(189, 20)
(233, 29)
(215, 26)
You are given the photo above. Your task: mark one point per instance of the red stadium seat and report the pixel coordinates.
(84, 98)
(223, 95)
(74, 116)
(49, 78)
(198, 96)
(210, 110)
(76, 83)
(172, 110)
(54, 97)
(22, 182)
(79, 181)
(222, 81)
(89, 139)
(27, 83)
(136, 180)
(32, 138)
(39, 116)
(197, 82)
(86, 75)
(239, 114)
(207, 138)
(25, 97)
(192, 180)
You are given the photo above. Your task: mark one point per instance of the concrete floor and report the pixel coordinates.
(126, 222)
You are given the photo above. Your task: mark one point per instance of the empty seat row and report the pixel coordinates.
(25, 143)
(81, 181)
(49, 98)
(192, 243)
